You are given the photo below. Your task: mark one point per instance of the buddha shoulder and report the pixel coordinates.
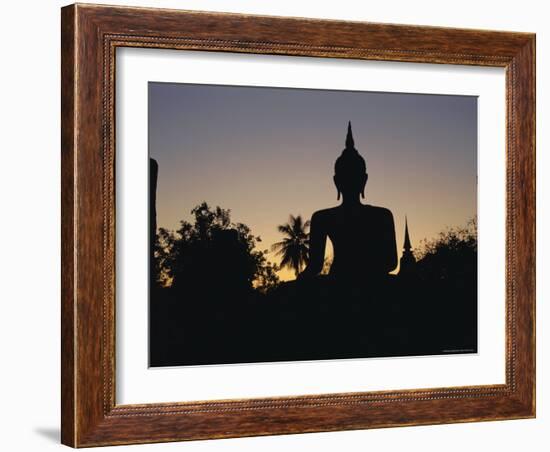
(323, 215)
(379, 212)
(376, 210)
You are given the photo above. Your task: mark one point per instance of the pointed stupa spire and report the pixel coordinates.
(407, 262)
(407, 244)
(349, 138)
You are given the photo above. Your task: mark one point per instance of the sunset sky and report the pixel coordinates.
(265, 153)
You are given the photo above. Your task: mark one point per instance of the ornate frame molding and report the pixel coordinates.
(90, 36)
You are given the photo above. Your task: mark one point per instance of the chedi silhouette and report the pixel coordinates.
(362, 236)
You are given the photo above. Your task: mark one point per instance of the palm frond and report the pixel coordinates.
(294, 248)
(285, 229)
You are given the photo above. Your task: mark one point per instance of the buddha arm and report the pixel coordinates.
(390, 246)
(317, 242)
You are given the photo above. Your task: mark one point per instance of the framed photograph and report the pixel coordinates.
(281, 225)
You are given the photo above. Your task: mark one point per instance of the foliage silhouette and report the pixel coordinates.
(212, 249)
(450, 256)
(294, 248)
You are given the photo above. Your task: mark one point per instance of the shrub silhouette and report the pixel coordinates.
(450, 256)
(212, 253)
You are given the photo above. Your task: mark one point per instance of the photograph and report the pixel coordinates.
(277, 220)
(290, 224)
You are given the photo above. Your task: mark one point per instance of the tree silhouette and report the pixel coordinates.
(266, 276)
(294, 248)
(450, 256)
(212, 253)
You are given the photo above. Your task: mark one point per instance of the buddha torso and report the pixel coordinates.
(363, 239)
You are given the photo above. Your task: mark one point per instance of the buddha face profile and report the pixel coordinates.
(350, 175)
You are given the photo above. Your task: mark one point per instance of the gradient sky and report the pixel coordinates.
(265, 153)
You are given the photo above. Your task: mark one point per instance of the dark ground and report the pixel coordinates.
(311, 320)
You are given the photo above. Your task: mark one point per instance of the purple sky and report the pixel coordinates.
(266, 153)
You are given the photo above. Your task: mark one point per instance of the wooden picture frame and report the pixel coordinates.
(90, 36)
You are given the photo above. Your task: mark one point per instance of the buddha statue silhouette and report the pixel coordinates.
(362, 236)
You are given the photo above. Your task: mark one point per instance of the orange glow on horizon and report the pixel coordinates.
(267, 153)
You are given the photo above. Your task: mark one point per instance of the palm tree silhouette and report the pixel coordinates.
(294, 248)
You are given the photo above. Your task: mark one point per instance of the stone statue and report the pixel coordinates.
(363, 236)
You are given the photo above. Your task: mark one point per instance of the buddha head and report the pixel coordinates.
(350, 170)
